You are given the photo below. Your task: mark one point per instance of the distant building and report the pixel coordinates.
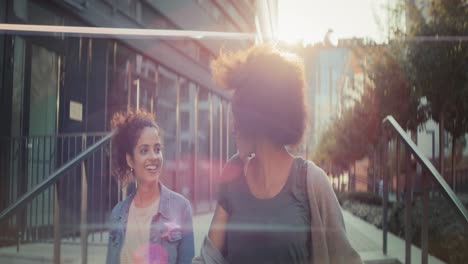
(335, 78)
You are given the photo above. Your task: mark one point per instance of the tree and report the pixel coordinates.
(347, 139)
(438, 67)
(388, 92)
(356, 133)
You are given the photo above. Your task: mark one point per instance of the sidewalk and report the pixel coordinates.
(367, 240)
(71, 251)
(364, 237)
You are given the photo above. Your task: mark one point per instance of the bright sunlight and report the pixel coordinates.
(309, 20)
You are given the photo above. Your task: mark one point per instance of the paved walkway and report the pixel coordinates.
(365, 238)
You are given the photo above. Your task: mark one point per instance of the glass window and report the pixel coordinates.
(166, 113)
(185, 121)
(184, 92)
(185, 175)
(188, 47)
(44, 86)
(205, 57)
(153, 19)
(42, 15)
(202, 95)
(18, 86)
(203, 158)
(119, 78)
(20, 8)
(217, 166)
(138, 12)
(226, 136)
(215, 12)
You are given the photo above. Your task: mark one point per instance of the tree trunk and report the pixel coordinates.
(397, 160)
(376, 169)
(339, 183)
(353, 182)
(454, 141)
(417, 164)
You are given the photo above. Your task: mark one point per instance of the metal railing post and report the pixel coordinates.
(18, 238)
(385, 173)
(397, 160)
(211, 133)
(195, 152)
(408, 208)
(428, 171)
(84, 209)
(57, 236)
(377, 169)
(425, 217)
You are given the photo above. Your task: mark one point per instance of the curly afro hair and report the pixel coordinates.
(268, 99)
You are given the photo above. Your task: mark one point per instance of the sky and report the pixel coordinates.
(309, 20)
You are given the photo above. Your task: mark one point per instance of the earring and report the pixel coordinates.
(136, 183)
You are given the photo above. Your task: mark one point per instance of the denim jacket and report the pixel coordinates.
(171, 228)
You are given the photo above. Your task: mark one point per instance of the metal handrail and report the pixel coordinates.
(56, 135)
(35, 191)
(426, 164)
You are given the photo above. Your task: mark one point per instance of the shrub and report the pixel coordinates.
(448, 237)
(362, 197)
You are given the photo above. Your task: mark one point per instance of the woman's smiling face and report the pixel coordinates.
(147, 158)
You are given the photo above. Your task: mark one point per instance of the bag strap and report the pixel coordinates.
(304, 166)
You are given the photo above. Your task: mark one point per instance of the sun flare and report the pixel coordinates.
(309, 20)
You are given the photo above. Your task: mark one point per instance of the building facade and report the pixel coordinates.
(335, 80)
(58, 94)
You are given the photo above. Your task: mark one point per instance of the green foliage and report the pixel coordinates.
(391, 87)
(356, 132)
(361, 197)
(413, 78)
(346, 140)
(448, 236)
(438, 67)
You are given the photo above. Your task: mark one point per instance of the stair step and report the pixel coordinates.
(383, 261)
(43, 253)
(377, 257)
(23, 259)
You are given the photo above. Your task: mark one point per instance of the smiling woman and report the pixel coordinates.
(143, 228)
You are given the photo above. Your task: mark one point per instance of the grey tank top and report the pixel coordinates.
(274, 230)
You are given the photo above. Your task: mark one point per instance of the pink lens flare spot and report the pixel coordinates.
(171, 226)
(150, 253)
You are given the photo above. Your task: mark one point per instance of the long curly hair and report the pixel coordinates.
(127, 130)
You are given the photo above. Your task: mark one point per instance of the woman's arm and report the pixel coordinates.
(115, 237)
(217, 233)
(329, 239)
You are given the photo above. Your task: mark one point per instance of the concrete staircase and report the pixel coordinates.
(365, 238)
